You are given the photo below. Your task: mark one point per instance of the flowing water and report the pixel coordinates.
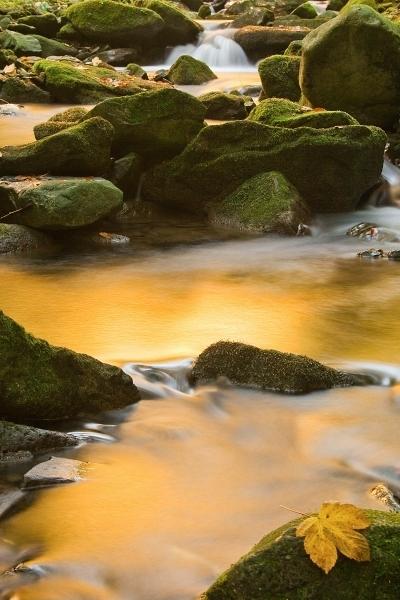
(182, 484)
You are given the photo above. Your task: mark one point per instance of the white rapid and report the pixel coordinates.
(216, 47)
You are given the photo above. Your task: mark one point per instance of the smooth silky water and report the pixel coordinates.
(182, 484)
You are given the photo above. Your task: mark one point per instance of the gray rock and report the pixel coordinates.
(17, 238)
(10, 498)
(22, 438)
(259, 42)
(54, 471)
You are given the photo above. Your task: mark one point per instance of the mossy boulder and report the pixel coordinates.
(154, 124)
(265, 203)
(55, 204)
(187, 70)
(295, 48)
(85, 84)
(45, 24)
(20, 44)
(204, 11)
(59, 122)
(257, 15)
(15, 239)
(17, 439)
(18, 90)
(284, 113)
(115, 23)
(178, 28)
(249, 366)
(278, 568)
(136, 71)
(305, 11)
(83, 149)
(352, 63)
(224, 106)
(280, 77)
(51, 47)
(40, 381)
(336, 5)
(350, 3)
(348, 161)
(259, 42)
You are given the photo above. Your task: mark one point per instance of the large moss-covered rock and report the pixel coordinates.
(17, 90)
(114, 23)
(278, 568)
(305, 11)
(280, 77)
(346, 162)
(51, 47)
(20, 44)
(55, 204)
(187, 70)
(178, 27)
(85, 84)
(59, 122)
(259, 42)
(225, 106)
(83, 149)
(249, 366)
(41, 381)
(45, 24)
(155, 124)
(17, 439)
(352, 63)
(19, 239)
(284, 113)
(265, 203)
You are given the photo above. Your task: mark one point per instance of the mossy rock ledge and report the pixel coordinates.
(187, 70)
(330, 168)
(40, 381)
(278, 568)
(17, 439)
(249, 366)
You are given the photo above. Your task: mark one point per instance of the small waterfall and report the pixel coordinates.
(216, 47)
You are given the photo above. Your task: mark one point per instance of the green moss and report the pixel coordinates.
(20, 44)
(350, 3)
(59, 122)
(294, 48)
(114, 22)
(352, 63)
(85, 84)
(280, 77)
(187, 70)
(155, 124)
(224, 106)
(53, 47)
(265, 203)
(136, 70)
(40, 381)
(284, 113)
(45, 24)
(7, 57)
(178, 27)
(346, 161)
(248, 366)
(306, 11)
(279, 569)
(68, 152)
(18, 90)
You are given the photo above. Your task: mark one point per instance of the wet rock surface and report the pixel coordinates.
(55, 471)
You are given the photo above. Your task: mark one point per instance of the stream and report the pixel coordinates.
(185, 482)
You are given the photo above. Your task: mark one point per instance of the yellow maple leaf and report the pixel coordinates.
(333, 529)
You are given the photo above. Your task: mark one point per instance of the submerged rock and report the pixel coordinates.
(352, 63)
(248, 366)
(55, 471)
(280, 77)
(345, 162)
(54, 204)
(114, 23)
(17, 238)
(156, 124)
(40, 381)
(15, 439)
(225, 106)
(69, 152)
(284, 113)
(265, 203)
(187, 70)
(278, 567)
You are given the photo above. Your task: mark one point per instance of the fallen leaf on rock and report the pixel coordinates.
(333, 529)
(10, 69)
